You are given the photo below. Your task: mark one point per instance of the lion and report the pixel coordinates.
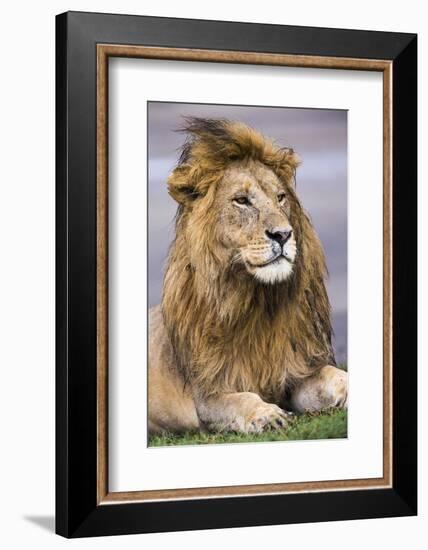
(242, 338)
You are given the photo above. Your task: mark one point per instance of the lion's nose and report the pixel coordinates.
(281, 236)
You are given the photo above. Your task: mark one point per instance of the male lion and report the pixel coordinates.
(244, 327)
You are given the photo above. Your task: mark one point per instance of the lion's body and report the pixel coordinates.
(237, 331)
(171, 405)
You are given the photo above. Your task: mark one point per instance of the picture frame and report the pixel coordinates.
(84, 44)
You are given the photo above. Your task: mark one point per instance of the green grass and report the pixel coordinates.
(328, 424)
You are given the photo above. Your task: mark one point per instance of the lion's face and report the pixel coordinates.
(253, 221)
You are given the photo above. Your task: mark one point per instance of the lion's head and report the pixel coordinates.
(244, 284)
(229, 169)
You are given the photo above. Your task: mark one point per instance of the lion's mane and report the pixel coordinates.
(232, 333)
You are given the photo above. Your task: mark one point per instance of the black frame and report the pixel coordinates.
(77, 513)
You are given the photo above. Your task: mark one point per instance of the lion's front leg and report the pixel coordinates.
(243, 412)
(327, 388)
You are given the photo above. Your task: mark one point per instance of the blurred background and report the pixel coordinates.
(318, 136)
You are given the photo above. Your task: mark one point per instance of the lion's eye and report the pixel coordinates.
(241, 200)
(281, 198)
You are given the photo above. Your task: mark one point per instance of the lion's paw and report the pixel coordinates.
(328, 388)
(265, 417)
(335, 386)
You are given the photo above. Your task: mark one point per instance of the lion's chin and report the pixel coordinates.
(273, 273)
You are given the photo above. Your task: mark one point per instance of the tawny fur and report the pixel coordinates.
(229, 332)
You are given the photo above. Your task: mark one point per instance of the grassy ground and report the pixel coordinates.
(329, 424)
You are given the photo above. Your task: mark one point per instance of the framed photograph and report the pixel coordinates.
(236, 274)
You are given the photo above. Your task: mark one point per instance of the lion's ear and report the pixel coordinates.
(180, 185)
(292, 158)
(295, 160)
